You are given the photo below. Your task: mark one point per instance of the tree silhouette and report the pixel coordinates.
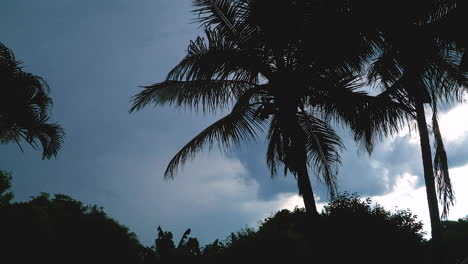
(5, 184)
(419, 65)
(455, 240)
(63, 230)
(274, 82)
(353, 230)
(24, 108)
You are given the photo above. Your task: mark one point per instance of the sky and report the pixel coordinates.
(95, 55)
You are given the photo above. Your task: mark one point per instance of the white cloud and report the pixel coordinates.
(405, 195)
(452, 123)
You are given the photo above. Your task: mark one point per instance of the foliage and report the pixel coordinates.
(63, 230)
(24, 108)
(455, 240)
(5, 184)
(276, 78)
(361, 225)
(419, 64)
(351, 230)
(164, 251)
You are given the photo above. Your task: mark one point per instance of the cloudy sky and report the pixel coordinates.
(95, 54)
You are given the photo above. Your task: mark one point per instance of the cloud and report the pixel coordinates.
(408, 190)
(95, 54)
(453, 127)
(213, 195)
(406, 195)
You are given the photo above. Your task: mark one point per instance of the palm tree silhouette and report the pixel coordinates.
(24, 107)
(420, 65)
(275, 84)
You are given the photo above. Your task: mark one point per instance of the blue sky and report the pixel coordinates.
(95, 54)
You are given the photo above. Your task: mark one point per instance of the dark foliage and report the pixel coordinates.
(165, 251)
(455, 240)
(24, 108)
(281, 67)
(62, 230)
(5, 185)
(351, 230)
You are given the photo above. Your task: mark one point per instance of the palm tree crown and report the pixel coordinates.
(24, 108)
(274, 84)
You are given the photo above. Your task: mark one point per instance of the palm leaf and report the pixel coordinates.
(240, 125)
(323, 147)
(51, 137)
(209, 95)
(276, 153)
(369, 117)
(441, 169)
(218, 58)
(24, 108)
(223, 14)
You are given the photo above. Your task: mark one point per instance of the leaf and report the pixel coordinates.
(239, 125)
(209, 95)
(441, 170)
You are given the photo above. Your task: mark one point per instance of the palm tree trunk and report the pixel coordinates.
(297, 156)
(303, 180)
(305, 189)
(436, 229)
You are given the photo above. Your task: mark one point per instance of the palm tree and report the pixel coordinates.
(263, 69)
(24, 106)
(419, 66)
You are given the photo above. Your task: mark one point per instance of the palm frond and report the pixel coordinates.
(441, 169)
(8, 62)
(369, 117)
(444, 76)
(323, 147)
(209, 95)
(218, 58)
(51, 137)
(24, 108)
(240, 125)
(222, 14)
(276, 153)
(385, 68)
(378, 117)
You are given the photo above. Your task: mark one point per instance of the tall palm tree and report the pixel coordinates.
(24, 108)
(419, 66)
(262, 68)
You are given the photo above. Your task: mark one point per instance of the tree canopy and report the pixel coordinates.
(60, 229)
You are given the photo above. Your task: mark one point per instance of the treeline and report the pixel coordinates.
(59, 229)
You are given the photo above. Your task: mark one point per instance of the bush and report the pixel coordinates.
(62, 230)
(350, 230)
(455, 240)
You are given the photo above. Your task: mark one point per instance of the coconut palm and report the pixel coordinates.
(419, 66)
(263, 70)
(24, 106)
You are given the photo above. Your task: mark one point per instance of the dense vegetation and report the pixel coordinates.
(60, 229)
